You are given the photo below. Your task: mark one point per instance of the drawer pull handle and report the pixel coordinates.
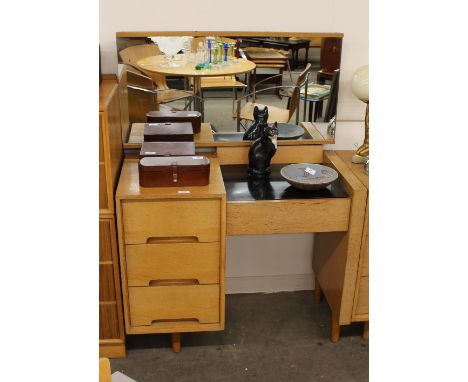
(174, 282)
(172, 239)
(181, 320)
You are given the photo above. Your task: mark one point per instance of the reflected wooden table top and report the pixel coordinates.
(156, 64)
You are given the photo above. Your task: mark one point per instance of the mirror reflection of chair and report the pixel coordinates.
(275, 114)
(144, 96)
(130, 57)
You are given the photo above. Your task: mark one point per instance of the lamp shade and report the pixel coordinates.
(360, 83)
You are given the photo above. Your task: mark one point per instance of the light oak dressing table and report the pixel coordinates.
(172, 240)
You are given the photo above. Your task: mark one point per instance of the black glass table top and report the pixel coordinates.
(240, 187)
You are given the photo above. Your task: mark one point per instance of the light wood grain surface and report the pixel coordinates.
(284, 154)
(196, 220)
(110, 134)
(129, 186)
(229, 33)
(336, 254)
(356, 168)
(206, 137)
(174, 244)
(111, 328)
(287, 216)
(361, 293)
(174, 303)
(104, 370)
(178, 261)
(156, 64)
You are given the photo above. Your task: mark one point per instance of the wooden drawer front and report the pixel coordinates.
(284, 154)
(197, 219)
(174, 303)
(101, 143)
(108, 321)
(103, 201)
(363, 296)
(106, 282)
(181, 261)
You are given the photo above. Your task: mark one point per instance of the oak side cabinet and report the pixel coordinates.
(172, 254)
(343, 278)
(111, 330)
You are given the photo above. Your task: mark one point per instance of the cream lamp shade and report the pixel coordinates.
(360, 83)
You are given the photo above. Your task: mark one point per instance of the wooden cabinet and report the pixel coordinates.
(342, 271)
(111, 328)
(172, 254)
(110, 144)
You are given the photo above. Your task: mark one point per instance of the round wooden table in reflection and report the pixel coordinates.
(158, 64)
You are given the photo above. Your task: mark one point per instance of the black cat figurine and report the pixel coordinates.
(262, 150)
(255, 131)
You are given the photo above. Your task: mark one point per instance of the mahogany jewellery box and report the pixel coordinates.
(194, 117)
(168, 132)
(163, 149)
(184, 171)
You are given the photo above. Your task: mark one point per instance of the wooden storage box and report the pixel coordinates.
(194, 117)
(180, 171)
(162, 149)
(168, 132)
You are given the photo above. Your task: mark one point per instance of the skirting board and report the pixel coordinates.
(269, 284)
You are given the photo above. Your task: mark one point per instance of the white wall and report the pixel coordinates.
(276, 262)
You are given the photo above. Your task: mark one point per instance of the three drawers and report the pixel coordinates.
(173, 263)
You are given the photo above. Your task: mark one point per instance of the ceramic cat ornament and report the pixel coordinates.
(262, 150)
(255, 131)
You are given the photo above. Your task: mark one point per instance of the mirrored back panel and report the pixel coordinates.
(280, 61)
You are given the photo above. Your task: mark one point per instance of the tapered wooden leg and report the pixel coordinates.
(365, 333)
(176, 342)
(317, 292)
(335, 330)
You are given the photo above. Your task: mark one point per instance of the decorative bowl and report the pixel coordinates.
(289, 131)
(308, 176)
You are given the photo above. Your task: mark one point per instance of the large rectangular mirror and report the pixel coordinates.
(295, 75)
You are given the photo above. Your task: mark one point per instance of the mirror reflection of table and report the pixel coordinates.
(157, 64)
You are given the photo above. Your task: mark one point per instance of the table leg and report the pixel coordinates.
(335, 329)
(198, 103)
(316, 111)
(317, 292)
(306, 57)
(279, 83)
(176, 342)
(311, 108)
(365, 333)
(305, 109)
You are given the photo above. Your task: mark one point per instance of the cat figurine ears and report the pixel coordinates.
(255, 131)
(256, 112)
